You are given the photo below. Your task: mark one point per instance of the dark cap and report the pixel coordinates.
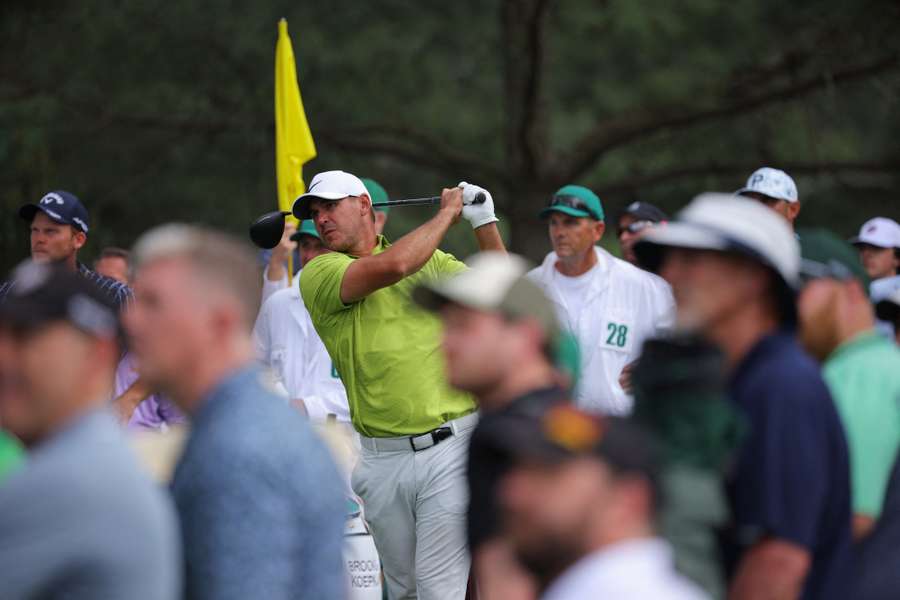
(644, 211)
(45, 293)
(825, 255)
(61, 206)
(564, 432)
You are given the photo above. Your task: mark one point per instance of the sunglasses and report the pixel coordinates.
(636, 227)
(574, 202)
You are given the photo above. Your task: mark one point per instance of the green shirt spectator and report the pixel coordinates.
(385, 349)
(864, 377)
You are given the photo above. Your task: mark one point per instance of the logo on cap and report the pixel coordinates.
(53, 197)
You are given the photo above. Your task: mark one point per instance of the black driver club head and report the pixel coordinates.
(267, 230)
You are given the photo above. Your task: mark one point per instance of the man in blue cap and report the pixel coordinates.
(610, 305)
(59, 227)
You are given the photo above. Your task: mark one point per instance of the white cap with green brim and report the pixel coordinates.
(727, 223)
(495, 282)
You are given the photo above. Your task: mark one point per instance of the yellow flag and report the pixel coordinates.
(293, 139)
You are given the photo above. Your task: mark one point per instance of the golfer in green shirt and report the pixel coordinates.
(414, 429)
(860, 366)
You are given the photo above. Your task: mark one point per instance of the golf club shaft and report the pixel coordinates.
(479, 199)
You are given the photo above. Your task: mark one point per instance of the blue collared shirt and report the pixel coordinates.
(259, 498)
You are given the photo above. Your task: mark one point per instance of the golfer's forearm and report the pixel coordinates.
(488, 237)
(405, 257)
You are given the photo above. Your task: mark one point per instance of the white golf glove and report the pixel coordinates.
(477, 214)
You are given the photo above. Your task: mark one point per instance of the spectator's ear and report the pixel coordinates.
(599, 229)
(79, 238)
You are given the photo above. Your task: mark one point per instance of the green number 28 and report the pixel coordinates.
(618, 334)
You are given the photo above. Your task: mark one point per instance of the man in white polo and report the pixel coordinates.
(414, 428)
(776, 189)
(287, 343)
(610, 305)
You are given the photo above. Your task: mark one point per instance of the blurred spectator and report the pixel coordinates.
(154, 412)
(680, 397)
(257, 493)
(878, 243)
(776, 189)
(861, 367)
(414, 429)
(114, 263)
(288, 344)
(79, 519)
(10, 450)
(878, 561)
(610, 305)
(637, 218)
(889, 310)
(734, 268)
(500, 338)
(275, 274)
(579, 505)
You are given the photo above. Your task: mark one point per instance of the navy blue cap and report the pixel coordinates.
(644, 211)
(61, 206)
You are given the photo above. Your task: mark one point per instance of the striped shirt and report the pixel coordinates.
(119, 293)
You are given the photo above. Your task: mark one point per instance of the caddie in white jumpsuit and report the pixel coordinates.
(610, 305)
(287, 343)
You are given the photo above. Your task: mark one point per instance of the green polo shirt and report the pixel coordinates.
(386, 350)
(863, 375)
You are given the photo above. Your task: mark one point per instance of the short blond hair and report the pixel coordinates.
(216, 257)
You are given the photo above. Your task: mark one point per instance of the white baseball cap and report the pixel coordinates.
(727, 223)
(880, 231)
(772, 183)
(328, 185)
(494, 281)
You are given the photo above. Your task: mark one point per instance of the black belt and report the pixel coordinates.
(430, 439)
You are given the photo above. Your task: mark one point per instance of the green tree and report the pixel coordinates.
(154, 111)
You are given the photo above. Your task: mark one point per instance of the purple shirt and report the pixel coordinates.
(155, 411)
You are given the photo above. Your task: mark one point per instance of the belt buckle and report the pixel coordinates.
(436, 436)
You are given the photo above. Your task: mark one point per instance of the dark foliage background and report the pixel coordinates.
(155, 111)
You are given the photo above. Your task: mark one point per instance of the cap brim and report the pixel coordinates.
(28, 211)
(745, 190)
(568, 210)
(300, 209)
(519, 438)
(649, 249)
(433, 297)
(296, 236)
(858, 241)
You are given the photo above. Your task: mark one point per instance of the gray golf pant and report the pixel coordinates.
(415, 504)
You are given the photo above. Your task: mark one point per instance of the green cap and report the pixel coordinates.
(826, 255)
(376, 193)
(577, 201)
(306, 228)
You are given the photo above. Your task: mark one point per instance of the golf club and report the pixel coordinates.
(266, 231)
